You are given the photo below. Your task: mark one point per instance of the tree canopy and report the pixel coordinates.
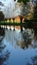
(24, 1)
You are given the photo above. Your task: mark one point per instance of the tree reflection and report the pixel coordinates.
(2, 34)
(4, 53)
(27, 36)
(3, 58)
(34, 61)
(2, 46)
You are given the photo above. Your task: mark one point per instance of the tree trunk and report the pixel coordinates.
(14, 23)
(1, 16)
(21, 24)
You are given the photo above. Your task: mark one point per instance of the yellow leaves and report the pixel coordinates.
(29, 16)
(8, 20)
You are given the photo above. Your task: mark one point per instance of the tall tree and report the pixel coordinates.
(24, 11)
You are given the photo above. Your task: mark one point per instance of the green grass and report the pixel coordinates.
(10, 23)
(26, 24)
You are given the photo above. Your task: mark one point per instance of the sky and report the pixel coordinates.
(7, 9)
(10, 9)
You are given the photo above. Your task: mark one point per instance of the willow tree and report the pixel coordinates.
(24, 2)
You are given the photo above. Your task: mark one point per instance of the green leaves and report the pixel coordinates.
(24, 1)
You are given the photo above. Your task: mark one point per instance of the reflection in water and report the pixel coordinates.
(3, 55)
(23, 39)
(2, 46)
(12, 45)
(2, 34)
(28, 36)
(3, 58)
(34, 61)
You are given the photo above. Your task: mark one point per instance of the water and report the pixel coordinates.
(12, 53)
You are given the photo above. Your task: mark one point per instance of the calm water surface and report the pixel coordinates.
(12, 53)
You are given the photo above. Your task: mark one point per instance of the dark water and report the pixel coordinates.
(12, 52)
